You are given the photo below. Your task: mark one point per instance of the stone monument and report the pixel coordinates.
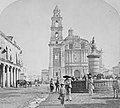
(94, 60)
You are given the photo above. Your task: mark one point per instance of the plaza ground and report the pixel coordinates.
(21, 97)
(83, 100)
(39, 97)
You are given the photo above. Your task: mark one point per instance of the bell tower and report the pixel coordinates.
(56, 27)
(55, 46)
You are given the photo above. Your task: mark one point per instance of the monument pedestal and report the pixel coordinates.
(94, 60)
(94, 66)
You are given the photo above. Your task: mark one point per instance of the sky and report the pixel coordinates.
(29, 22)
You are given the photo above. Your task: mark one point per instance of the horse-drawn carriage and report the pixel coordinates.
(23, 83)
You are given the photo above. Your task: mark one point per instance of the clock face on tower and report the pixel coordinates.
(76, 57)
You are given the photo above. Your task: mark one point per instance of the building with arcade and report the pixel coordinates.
(10, 61)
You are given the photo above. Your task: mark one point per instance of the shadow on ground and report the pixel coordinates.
(110, 103)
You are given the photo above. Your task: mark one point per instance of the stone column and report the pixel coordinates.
(0, 74)
(11, 71)
(4, 77)
(14, 78)
(16, 71)
(13, 75)
(8, 76)
(16, 74)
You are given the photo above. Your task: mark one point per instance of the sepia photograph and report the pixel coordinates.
(59, 53)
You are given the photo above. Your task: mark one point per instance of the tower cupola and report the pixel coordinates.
(70, 32)
(56, 27)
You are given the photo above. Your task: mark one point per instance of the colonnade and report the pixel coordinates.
(9, 74)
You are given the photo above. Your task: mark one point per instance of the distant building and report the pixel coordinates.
(23, 74)
(68, 56)
(107, 72)
(116, 70)
(10, 61)
(45, 75)
(33, 77)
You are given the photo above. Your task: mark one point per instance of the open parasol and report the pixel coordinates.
(66, 76)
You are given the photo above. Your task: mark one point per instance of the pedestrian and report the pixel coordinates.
(57, 84)
(91, 86)
(35, 83)
(62, 92)
(51, 85)
(68, 87)
(115, 86)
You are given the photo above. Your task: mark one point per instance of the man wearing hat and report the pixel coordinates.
(91, 86)
(68, 87)
(62, 93)
(115, 86)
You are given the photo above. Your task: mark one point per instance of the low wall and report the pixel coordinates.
(103, 85)
(79, 86)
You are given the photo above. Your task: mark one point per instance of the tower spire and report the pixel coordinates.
(56, 11)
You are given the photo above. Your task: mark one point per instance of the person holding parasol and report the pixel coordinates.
(68, 87)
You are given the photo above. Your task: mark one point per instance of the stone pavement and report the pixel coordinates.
(22, 97)
(83, 100)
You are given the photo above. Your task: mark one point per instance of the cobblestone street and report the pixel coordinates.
(21, 97)
(79, 100)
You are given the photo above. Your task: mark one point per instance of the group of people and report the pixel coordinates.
(63, 88)
(115, 86)
(67, 85)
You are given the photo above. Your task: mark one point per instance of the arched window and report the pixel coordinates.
(56, 23)
(10, 57)
(6, 53)
(56, 34)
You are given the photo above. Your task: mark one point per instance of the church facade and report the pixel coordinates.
(67, 56)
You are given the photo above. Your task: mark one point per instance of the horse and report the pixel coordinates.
(21, 83)
(29, 83)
